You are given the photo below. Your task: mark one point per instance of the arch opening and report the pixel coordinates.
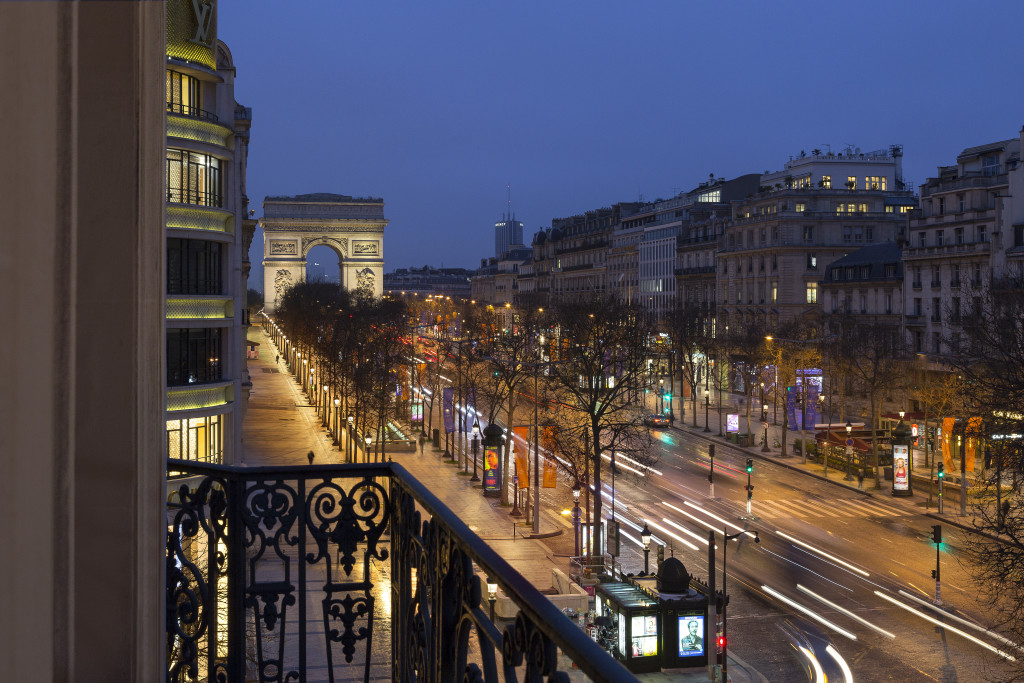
(323, 264)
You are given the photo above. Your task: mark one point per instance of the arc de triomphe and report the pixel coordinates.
(352, 227)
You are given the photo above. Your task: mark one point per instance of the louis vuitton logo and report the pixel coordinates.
(204, 11)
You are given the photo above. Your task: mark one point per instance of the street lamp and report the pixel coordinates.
(476, 445)
(764, 421)
(351, 446)
(492, 594)
(725, 594)
(645, 538)
(707, 402)
(337, 410)
(661, 395)
(576, 515)
(849, 451)
(369, 440)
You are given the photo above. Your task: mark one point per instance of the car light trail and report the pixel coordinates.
(843, 610)
(947, 627)
(685, 530)
(806, 569)
(636, 526)
(847, 674)
(969, 624)
(619, 502)
(809, 612)
(625, 467)
(824, 554)
(819, 673)
(620, 456)
(669, 533)
(712, 515)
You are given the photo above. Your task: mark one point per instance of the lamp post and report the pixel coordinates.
(849, 451)
(351, 445)
(645, 538)
(764, 422)
(492, 594)
(369, 441)
(725, 594)
(661, 395)
(337, 409)
(576, 516)
(707, 402)
(476, 445)
(327, 406)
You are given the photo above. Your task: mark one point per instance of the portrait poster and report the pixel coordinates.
(492, 469)
(691, 635)
(900, 467)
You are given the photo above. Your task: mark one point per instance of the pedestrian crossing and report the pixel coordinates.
(837, 508)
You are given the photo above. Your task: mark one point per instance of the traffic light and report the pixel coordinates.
(937, 534)
(750, 491)
(750, 466)
(721, 643)
(940, 470)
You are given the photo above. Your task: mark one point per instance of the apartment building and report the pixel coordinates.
(963, 237)
(774, 251)
(867, 283)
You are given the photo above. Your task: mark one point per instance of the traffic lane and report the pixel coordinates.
(907, 530)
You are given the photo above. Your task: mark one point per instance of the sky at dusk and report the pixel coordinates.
(438, 106)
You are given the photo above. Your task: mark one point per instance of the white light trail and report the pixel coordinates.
(618, 501)
(809, 612)
(847, 674)
(819, 673)
(625, 467)
(824, 554)
(701, 521)
(947, 627)
(714, 516)
(620, 456)
(636, 526)
(672, 535)
(842, 610)
(969, 624)
(685, 530)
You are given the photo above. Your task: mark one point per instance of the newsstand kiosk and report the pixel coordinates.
(657, 622)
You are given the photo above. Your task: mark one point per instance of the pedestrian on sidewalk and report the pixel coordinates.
(277, 359)
(310, 456)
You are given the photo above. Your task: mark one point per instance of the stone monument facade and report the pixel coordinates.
(353, 227)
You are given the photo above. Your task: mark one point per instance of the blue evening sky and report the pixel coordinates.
(437, 105)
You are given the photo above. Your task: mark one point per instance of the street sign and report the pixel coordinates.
(849, 442)
(764, 425)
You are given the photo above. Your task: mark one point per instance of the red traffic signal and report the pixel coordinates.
(721, 642)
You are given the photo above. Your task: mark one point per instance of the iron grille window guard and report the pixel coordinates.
(282, 573)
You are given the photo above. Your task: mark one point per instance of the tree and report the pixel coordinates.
(750, 354)
(689, 336)
(878, 362)
(991, 363)
(599, 369)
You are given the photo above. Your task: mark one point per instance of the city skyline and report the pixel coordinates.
(438, 109)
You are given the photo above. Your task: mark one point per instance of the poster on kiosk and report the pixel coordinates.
(900, 468)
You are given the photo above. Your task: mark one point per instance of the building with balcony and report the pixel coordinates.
(867, 283)
(777, 246)
(958, 242)
(207, 234)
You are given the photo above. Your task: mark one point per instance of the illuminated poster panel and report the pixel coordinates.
(900, 468)
(492, 470)
(691, 635)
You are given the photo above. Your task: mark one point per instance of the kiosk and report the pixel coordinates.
(657, 622)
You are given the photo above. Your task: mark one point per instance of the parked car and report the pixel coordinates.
(656, 420)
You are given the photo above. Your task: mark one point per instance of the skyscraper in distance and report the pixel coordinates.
(507, 231)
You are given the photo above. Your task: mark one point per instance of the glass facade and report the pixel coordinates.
(194, 356)
(194, 267)
(196, 438)
(193, 178)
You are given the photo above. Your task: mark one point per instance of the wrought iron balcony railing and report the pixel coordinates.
(347, 572)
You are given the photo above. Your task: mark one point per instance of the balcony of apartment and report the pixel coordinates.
(349, 572)
(197, 125)
(943, 251)
(695, 270)
(953, 218)
(916, 284)
(914, 319)
(966, 182)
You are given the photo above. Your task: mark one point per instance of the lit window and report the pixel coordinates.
(874, 182)
(801, 207)
(812, 293)
(851, 182)
(826, 181)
